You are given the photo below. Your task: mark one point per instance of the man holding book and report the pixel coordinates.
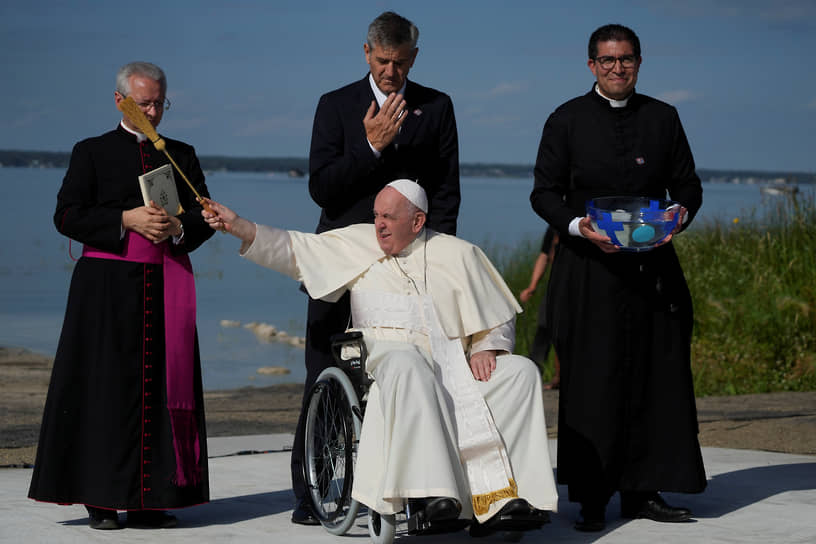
(123, 426)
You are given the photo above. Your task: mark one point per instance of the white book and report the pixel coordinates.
(159, 185)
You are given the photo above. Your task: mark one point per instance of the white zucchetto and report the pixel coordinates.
(413, 191)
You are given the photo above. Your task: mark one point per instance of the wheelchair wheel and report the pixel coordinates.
(332, 429)
(381, 528)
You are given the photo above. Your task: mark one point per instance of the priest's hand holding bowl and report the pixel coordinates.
(605, 243)
(222, 218)
(601, 240)
(681, 212)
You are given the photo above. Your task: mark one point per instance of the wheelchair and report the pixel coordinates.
(335, 406)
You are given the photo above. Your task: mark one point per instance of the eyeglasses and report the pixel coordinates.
(158, 105)
(607, 63)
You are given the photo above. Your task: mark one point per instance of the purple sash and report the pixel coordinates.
(179, 338)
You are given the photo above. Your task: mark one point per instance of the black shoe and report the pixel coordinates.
(543, 516)
(590, 520)
(151, 519)
(655, 508)
(516, 514)
(303, 514)
(516, 507)
(433, 515)
(442, 508)
(101, 518)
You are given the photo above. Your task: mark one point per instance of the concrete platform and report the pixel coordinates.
(752, 496)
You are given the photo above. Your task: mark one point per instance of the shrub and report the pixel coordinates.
(753, 285)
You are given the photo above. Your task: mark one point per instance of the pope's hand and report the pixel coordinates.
(222, 218)
(482, 364)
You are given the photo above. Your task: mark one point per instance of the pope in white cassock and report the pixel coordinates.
(453, 416)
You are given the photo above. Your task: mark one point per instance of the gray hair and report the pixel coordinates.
(391, 31)
(143, 69)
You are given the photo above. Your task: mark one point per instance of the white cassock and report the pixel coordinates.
(430, 428)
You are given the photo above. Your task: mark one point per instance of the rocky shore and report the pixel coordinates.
(781, 422)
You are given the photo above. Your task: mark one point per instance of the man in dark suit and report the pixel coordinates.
(365, 135)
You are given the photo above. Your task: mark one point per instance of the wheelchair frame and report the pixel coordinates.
(334, 417)
(334, 410)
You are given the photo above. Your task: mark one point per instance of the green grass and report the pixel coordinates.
(753, 283)
(516, 266)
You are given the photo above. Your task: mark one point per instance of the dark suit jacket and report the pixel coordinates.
(345, 175)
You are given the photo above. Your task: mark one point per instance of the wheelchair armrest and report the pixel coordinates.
(348, 346)
(346, 336)
(349, 353)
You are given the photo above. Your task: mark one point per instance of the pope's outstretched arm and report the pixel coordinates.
(267, 246)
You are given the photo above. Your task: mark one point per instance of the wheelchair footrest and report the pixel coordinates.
(418, 525)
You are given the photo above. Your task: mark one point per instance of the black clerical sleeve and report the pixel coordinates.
(102, 181)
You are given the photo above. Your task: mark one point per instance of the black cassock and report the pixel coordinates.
(106, 439)
(621, 323)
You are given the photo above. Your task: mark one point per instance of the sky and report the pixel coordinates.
(244, 77)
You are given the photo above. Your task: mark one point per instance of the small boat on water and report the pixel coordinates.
(779, 190)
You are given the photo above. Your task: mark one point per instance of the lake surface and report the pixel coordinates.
(35, 266)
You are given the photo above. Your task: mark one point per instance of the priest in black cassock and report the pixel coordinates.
(123, 425)
(621, 322)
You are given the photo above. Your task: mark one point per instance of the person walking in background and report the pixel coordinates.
(621, 322)
(542, 341)
(366, 134)
(123, 425)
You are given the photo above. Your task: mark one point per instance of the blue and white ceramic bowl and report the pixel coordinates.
(633, 223)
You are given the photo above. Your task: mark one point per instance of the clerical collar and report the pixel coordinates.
(139, 136)
(417, 243)
(612, 102)
(381, 96)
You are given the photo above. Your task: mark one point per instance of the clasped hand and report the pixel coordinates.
(152, 222)
(382, 128)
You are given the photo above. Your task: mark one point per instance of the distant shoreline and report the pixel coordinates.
(297, 167)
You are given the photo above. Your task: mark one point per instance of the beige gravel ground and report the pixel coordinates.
(781, 422)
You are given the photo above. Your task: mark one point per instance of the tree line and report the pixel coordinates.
(299, 166)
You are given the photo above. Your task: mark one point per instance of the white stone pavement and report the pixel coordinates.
(752, 496)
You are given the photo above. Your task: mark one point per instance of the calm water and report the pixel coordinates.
(35, 266)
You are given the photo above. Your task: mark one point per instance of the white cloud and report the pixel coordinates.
(495, 120)
(797, 11)
(507, 87)
(677, 96)
(788, 11)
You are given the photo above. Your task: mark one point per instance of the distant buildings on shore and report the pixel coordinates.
(297, 167)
